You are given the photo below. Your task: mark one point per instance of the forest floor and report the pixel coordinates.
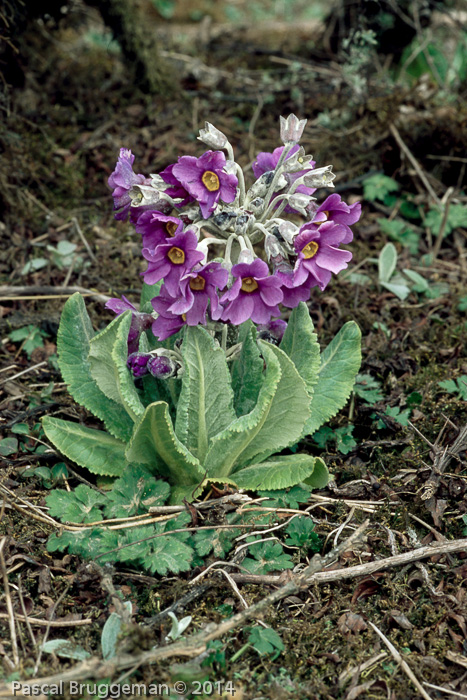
(399, 458)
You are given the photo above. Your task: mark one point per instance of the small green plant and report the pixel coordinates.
(109, 637)
(368, 389)
(31, 337)
(397, 284)
(456, 386)
(342, 437)
(379, 188)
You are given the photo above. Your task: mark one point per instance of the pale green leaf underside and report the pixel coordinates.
(320, 476)
(340, 363)
(277, 473)
(247, 371)
(205, 405)
(301, 345)
(276, 421)
(94, 449)
(125, 382)
(154, 443)
(103, 368)
(73, 338)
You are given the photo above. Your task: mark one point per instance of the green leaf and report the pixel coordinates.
(247, 371)
(205, 404)
(74, 335)
(340, 362)
(266, 641)
(275, 422)
(387, 262)
(148, 292)
(278, 473)
(217, 541)
(301, 533)
(83, 505)
(399, 288)
(65, 648)
(154, 443)
(290, 498)
(107, 356)
(168, 554)
(456, 386)
(301, 345)
(8, 446)
(94, 449)
(134, 493)
(320, 477)
(377, 187)
(268, 556)
(368, 388)
(110, 633)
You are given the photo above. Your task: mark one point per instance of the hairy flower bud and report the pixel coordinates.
(212, 137)
(137, 363)
(291, 129)
(261, 186)
(161, 367)
(321, 177)
(298, 161)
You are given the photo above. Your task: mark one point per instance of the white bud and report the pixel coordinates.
(291, 129)
(322, 177)
(212, 137)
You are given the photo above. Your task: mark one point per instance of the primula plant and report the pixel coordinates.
(205, 382)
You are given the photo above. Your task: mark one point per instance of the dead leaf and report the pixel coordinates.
(401, 620)
(45, 580)
(366, 588)
(349, 623)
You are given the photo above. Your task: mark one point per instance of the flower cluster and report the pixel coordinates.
(226, 254)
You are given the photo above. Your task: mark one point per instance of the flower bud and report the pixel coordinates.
(291, 129)
(212, 137)
(161, 367)
(137, 363)
(298, 161)
(322, 177)
(299, 202)
(288, 231)
(261, 186)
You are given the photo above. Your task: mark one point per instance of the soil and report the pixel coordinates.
(61, 132)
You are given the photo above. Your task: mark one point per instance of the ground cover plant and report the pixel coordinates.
(116, 579)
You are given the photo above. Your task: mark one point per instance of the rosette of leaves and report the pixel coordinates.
(215, 424)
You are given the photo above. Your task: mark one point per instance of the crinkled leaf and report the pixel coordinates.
(340, 362)
(154, 443)
(301, 345)
(301, 533)
(168, 554)
(205, 405)
(275, 422)
(267, 556)
(217, 541)
(134, 493)
(247, 371)
(125, 381)
(73, 338)
(94, 449)
(277, 473)
(82, 505)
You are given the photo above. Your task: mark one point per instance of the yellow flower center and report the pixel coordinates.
(171, 227)
(184, 317)
(327, 217)
(310, 250)
(198, 283)
(210, 181)
(176, 255)
(249, 284)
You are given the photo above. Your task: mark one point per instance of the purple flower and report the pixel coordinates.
(255, 294)
(139, 321)
(196, 289)
(334, 209)
(122, 180)
(273, 330)
(177, 191)
(167, 323)
(267, 161)
(137, 363)
(161, 367)
(205, 179)
(172, 260)
(156, 228)
(318, 253)
(294, 293)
